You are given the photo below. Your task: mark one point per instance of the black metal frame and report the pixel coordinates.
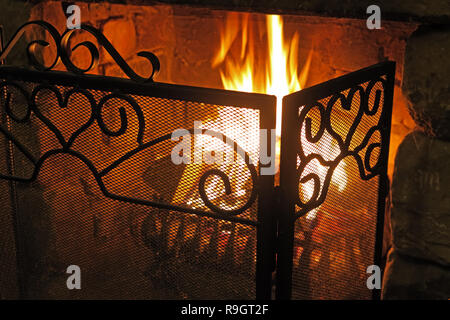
(272, 252)
(263, 184)
(293, 119)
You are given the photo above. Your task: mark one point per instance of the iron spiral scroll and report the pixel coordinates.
(32, 103)
(305, 122)
(64, 51)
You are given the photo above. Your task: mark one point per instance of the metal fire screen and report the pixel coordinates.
(90, 181)
(333, 183)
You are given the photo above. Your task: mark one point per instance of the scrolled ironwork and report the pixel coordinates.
(325, 125)
(123, 116)
(225, 179)
(4, 85)
(32, 46)
(62, 100)
(64, 51)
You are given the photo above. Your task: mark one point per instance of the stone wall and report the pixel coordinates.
(431, 11)
(12, 15)
(419, 262)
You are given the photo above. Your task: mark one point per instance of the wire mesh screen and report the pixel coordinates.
(169, 237)
(8, 261)
(333, 211)
(334, 242)
(99, 181)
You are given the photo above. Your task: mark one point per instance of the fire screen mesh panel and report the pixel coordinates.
(8, 260)
(158, 191)
(179, 231)
(335, 201)
(334, 242)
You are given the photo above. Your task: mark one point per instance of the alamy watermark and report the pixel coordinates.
(74, 280)
(374, 280)
(374, 20)
(204, 153)
(74, 20)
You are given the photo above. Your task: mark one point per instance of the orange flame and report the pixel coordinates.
(278, 75)
(281, 76)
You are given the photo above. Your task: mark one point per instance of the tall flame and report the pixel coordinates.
(278, 75)
(281, 76)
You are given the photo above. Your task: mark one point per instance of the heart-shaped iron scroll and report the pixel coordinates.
(368, 106)
(59, 98)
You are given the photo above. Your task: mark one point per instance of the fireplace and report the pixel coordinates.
(89, 169)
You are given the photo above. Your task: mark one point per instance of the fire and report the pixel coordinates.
(279, 77)
(282, 78)
(254, 68)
